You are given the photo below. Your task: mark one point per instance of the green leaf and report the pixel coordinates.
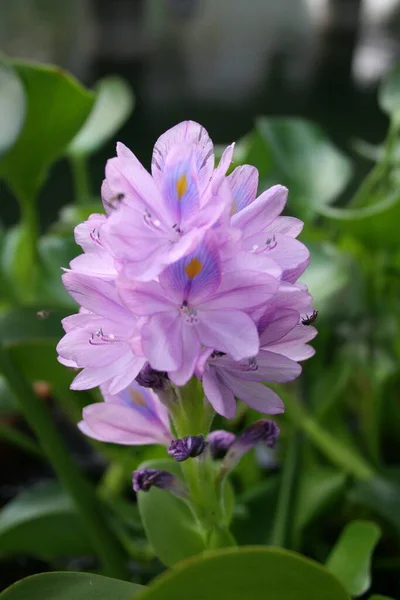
(381, 496)
(298, 154)
(379, 597)
(114, 103)
(168, 521)
(350, 559)
(71, 586)
(389, 94)
(319, 488)
(57, 106)
(17, 264)
(250, 573)
(12, 106)
(56, 252)
(42, 522)
(255, 514)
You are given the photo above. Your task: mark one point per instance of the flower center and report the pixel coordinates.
(188, 313)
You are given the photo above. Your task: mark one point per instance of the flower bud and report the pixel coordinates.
(261, 431)
(144, 479)
(220, 441)
(187, 447)
(150, 378)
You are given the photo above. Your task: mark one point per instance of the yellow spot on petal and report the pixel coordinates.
(181, 186)
(193, 268)
(234, 208)
(137, 398)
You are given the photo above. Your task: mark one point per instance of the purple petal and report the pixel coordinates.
(256, 217)
(243, 182)
(219, 394)
(191, 353)
(229, 331)
(162, 341)
(225, 161)
(190, 133)
(286, 225)
(143, 298)
(276, 368)
(278, 327)
(256, 395)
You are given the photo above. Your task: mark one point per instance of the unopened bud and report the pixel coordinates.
(220, 441)
(150, 378)
(145, 479)
(187, 447)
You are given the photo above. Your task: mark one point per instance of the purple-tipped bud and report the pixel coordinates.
(187, 447)
(150, 378)
(220, 441)
(261, 431)
(144, 479)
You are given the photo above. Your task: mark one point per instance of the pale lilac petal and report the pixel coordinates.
(94, 376)
(243, 290)
(143, 298)
(286, 225)
(83, 232)
(225, 161)
(127, 375)
(96, 295)
(67, 362)
(294, 343)
(243, 182)
(191, 353)
(127, 177)
(256, 217)
(121, 425)
(276, 368)
(230, 331)
(180, 184)
(162, 341)
(190, 133)
(278, 328)
(218, 394)
(82, 347)
(99, 264)
(256, 395)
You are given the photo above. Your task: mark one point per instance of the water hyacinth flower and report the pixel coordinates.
(134, 416)
(188, 273)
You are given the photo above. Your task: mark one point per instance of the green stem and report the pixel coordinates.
(81, 179)
(283, 534)
(17, 438)
(90, 508)
(191, 416)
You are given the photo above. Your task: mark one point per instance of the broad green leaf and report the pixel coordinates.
(12, 106)
(17, 264)
(298, 154)
(319, 488)
(247, 573)
(22, 325)
(71, 586)
(57, 106)
(389, 94)
(350, 559)
(168, 521)
(113, 105)
(42, 522)
(381, 496)
(379, 597)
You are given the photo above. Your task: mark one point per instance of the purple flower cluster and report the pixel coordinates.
(191, 274)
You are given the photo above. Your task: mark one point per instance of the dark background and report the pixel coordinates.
(221, 62)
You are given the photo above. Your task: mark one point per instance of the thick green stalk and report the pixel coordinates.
(81, 179)
(90, 508)
(192, 416)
